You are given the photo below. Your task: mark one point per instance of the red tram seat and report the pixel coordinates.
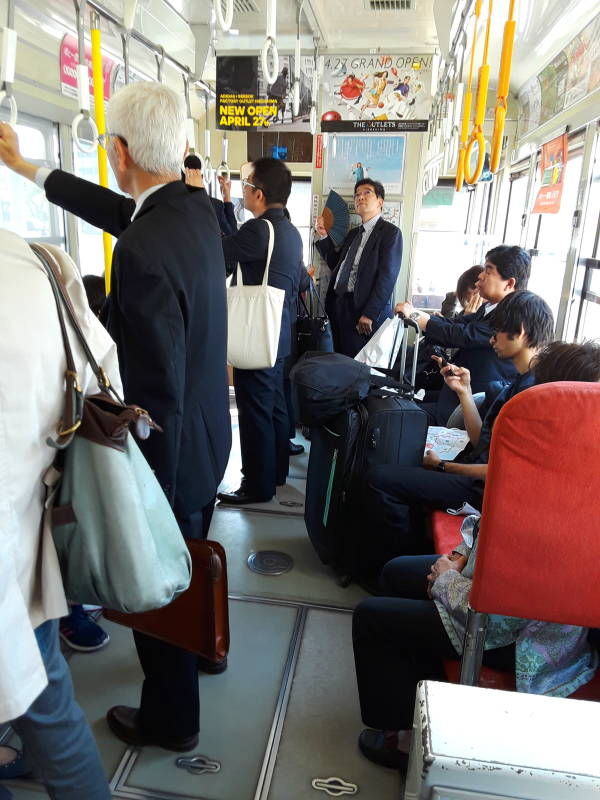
(538, 553)
(445, 531)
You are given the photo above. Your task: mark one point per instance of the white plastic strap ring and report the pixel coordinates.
(334, 145)
(296, 97)
(223, 171)
(12, 119)
(270, 47)
(224, 21)
(313, 119)
(208, 170)
(83, 145)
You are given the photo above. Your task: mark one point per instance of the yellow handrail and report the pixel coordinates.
(503, 85)
(477, 131)
(464, 129)
(101, 124)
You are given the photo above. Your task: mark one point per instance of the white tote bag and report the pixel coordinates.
(254, 319)
(383, 346)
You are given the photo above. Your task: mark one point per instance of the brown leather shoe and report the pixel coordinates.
(212, 667)
(124, 723)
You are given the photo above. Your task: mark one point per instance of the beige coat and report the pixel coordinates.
(32, 365)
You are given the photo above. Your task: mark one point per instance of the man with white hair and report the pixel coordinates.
(168, 316)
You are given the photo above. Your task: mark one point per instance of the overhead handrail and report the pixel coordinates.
(503, 85)
(223, 171)
(98, 78)
(208, 169)
(225, 20)
(270, 46)
(8, 59)
(480, 104)
(83, 87)
(466, 118)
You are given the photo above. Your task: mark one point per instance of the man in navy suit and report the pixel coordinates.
(259, 393)
(364, 271)
(506, 270)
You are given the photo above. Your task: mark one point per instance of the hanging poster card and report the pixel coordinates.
(376, 94)
(245, 101)
(552, 166)
(380, 158)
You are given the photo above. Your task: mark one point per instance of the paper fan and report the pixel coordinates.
(336, 218)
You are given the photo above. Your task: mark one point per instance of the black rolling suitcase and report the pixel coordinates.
(386, 427)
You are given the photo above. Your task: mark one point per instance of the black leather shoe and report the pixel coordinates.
(240, 497)
(380, 748)
(295, 449)
(212, 667)
(124, 723)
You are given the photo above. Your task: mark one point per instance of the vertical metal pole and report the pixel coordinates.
(470, 666)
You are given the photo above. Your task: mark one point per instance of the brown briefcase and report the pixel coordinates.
(197, 620)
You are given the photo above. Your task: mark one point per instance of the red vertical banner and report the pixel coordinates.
(552, 165)
(319, 153)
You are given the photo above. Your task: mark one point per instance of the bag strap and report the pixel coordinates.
(270, 247)
(312, 289)
(74, 399)
(393, 352)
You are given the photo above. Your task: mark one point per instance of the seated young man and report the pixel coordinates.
(404, 637)
(393, 497)
(506, 270)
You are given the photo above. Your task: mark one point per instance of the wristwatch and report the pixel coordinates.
(441, 467)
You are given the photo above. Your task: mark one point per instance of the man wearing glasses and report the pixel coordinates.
(364, 271)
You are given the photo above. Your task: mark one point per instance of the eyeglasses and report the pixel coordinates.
(104, 137)
(247, 183)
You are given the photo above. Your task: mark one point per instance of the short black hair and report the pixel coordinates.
(376, 186)
(274, 179)
(192, 161)
(566, 361)
(96, 292)
(468, 280)
(511, 262)
(524, 311)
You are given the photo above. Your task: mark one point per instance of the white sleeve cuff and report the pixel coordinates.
(41, 175)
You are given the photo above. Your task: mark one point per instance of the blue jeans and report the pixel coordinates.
(55, 734)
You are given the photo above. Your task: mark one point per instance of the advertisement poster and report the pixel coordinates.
(380, 158)
(245, 101)
(390, 212)
(572, 75)
(69, 59)
(552, 165)
(376, 94)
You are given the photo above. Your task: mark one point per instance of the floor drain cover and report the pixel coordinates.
(270, 562)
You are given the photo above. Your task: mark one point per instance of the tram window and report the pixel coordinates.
(551, 235)
(23, 207)
(89, 238)
(516, 208)
(442, 229)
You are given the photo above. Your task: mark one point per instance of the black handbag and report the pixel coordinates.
(313, 333)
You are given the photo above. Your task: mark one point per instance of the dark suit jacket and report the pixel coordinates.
(471, 333)
(377, 270)
(168, 316)
(249, 247)
(224, 213)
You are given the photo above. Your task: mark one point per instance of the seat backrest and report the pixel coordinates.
(538, 554)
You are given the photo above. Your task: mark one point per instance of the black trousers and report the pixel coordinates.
(344, 316)
(170, 702)
(401, 640)
(394, 503)
(263, 423)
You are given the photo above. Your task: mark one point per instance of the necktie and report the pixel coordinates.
(341, 286)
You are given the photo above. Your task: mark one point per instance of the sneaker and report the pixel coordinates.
(81, 633)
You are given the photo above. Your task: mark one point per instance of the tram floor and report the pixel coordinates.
(284, 714)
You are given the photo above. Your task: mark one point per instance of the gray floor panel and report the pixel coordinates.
(289, 500)
(323, 719)
(237, 710)
(308, 582)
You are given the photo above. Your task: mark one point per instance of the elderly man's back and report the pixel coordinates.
(35, 689)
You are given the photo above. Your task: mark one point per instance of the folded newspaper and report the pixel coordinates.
(446, 442)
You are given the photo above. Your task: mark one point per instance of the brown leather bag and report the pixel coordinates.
(198, 619)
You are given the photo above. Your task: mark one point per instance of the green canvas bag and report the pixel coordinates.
(116, 537)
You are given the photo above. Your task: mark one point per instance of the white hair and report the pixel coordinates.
(151, 118)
